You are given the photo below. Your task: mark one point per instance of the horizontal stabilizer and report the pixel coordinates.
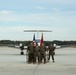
(37, 31)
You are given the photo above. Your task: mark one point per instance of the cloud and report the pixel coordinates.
(52, 19)
(16, 33)
(7, 16)
(56, 2)
(55, 9)
(3, 12)
(41, 8)
(52, 16)
(39, 18)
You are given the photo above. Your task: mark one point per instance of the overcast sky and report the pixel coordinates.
(56, 15)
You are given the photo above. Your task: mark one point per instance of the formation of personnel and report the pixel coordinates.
(39, 53)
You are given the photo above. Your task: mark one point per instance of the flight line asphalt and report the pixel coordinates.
(12, 63)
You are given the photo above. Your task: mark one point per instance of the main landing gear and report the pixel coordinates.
(22, 53)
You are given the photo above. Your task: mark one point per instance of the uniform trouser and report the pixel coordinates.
(36, 55)
(43, 56)
(31, 57)
(52, 54)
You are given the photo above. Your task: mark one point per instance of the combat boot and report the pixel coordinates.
(44, 62)
(53, 61)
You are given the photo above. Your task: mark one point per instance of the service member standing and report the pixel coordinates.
(37, 54)
(51, 52)
(31, 53)
(43, 53)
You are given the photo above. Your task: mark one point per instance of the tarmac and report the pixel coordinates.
(12, 63)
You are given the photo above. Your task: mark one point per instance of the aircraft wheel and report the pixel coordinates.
(22, 53)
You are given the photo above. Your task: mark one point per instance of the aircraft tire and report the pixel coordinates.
(22, 53)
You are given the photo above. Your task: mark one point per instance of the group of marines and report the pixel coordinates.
(39, 52)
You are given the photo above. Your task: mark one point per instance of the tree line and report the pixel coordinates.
(3, 42)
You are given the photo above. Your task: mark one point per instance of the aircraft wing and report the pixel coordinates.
(37, 31)
(63, 46)
(17, 46)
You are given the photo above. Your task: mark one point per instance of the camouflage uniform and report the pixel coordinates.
(31, 53)
(43, 52)
(51, 51)
(37, 54)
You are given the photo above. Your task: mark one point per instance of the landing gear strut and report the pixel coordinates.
(22, 53)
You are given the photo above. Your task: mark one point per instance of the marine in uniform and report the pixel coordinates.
(51, 52)
(31, 53)
(43, 53)
(37, 54)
